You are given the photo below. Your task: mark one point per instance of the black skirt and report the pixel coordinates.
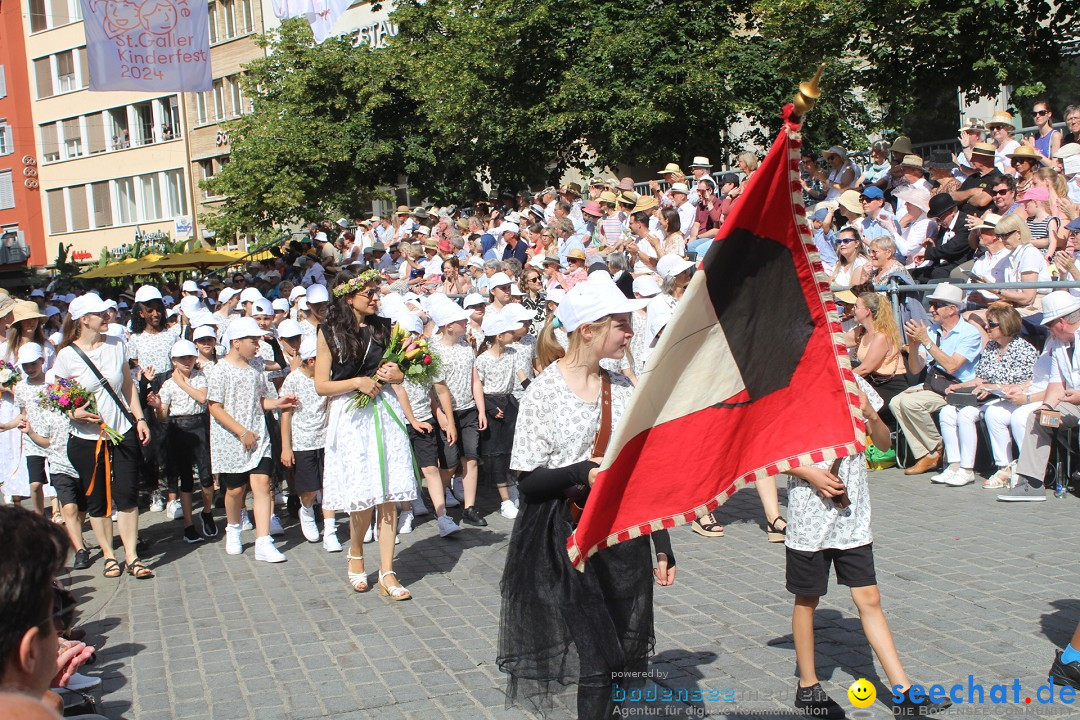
(560, 626)
(498, 438)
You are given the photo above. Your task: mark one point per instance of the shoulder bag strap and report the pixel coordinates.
(107, 385)
(603, 434)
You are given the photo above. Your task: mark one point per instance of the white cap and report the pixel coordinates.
(280, 305)
(515, 291)
(184, 348)
(410, 297)
(289, 328)
(411, 322)
(391, 306)
(320, 237)
(190, 286)
(1058, 304)
(190, 304)
(227, 294)
(171, 312)
(250, 295)
(445, 312)
(308, 347)
(475, 261)
(518, 312)
(204, 331)
(499, 278)
(646, 286)
(537, 261)
(168, 300)
(317, 294)
(592, 300)
(70, 298)
(56, 338)
(509, 228)
(301, 304)
(672, 265)
(37, 292)
(203, 317)
(28, 353)
(261, 306)
(52, 310)
(244, 328)
(147, 293)
(298, 291)
(498, 323)
(85, 304)
(110, 303)
(659, 314)
(473, 299)
(423, 230)
(556, 295)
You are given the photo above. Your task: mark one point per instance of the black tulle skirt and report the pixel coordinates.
(560, 627)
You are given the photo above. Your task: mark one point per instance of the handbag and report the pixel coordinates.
(576, 502)
(105, 383)
(965, 398)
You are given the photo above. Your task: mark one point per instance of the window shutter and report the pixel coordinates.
(7, 191)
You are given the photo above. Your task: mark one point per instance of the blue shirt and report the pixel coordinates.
(963, 339)
(826, 247)
(572, 242)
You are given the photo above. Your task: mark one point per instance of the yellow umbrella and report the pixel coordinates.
(142, 266)
(198, 259)
(110, 270)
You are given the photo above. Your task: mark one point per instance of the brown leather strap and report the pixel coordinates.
(603, 433)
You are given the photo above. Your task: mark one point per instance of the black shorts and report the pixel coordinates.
(35, 469)
(232, 481)
(808, 572)
(69, 491)
(309, 470)
(428, 447)
(468, 438)
(89, 463)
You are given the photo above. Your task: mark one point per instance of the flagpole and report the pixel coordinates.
(807, 95)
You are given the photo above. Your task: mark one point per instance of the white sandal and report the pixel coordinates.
(394, 592)
(358, 581)
(1001, 478)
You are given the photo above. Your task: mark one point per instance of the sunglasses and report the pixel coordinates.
(992, 324)
(845, 240)
(1006, 191)
(863, 198)
(937, 305)
(1040, 113)
(63, 615)
(369, 294)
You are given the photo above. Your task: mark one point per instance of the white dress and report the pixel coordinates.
(13, 476)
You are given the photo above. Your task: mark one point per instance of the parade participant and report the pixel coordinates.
(31, 361)
(99, 363)
(457, 370)
(474, 332)
(368, 461)
(829, 511)
(205, 339)
(27, 327)
(303, 439)
(238, 395)
(559, 626)
(318, 299)
(180, 407)
(499, 368)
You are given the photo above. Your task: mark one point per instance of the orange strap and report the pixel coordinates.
(103, 445)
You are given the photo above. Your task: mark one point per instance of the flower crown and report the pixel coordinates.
(357, 283)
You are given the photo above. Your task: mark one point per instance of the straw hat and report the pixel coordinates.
(985, 149)
(1026, 152)
(973, 125)
(1002, 118)
(913, 161)
(672, 168)
(25, 310)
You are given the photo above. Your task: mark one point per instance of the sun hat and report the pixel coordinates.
(592, 208)
(973, 125)
(948, 293)
(475, 261)
(1058, 304)
(626, 184)
(849, 199)
(204, 331)
(913, 161)
(1068, 150)
(671, 265)
(1001, 118)
(1026, 152)
(28, 353)
(671, 168)
(86, 304)
(571, 189)
(499, 278)
(552, 260)
(250, 295)
(629, 198)
(1036, 193)
(700, 161)
(989, 222)
(836, 150)
(646, 286)
(244, 328)
(146, 293)
(281, 305)
(184, 348)
(262, 306)
(592, 300)
(411, 322)
(446, 311)
(498, 323)
(317, 294)
(901, 145)
(289, 328)
(845, 296)
(644, 203)
(515, 290)
(25, 310)
(576, 254)
(983, 148)
(609, 197)
(915, 196)
(679, 188)
(473, 299)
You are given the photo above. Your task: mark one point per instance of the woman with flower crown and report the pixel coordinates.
(368, 458)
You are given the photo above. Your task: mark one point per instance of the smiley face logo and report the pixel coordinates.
(862, 693)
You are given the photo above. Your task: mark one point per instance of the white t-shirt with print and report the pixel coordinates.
(181, 404)
(456, 370)
(153, 350)
(26, 398)
(309, 417)
(240, 391)
(498, 373)
(112, 361)
(57, 428)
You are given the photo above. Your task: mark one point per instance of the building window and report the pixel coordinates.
(95, 133)
(73, 143)
(219, 99)
(38, 16)
(7, 190)
(50, 143)
(228, 19)
(170, 117)
(174, 193)
(102, 204)
(150, 195)
(3, 83)
(43, 75)
(237, 95)
(57, 211)
(247, 18)
(7, 145)
(65, 72)
(144, 123)
(125, 201)
(80, 216)
(201, 112)
(212, 22)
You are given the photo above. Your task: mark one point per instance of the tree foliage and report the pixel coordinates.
(514, 92)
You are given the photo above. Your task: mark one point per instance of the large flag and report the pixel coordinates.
(147, 45)
(320, 14)
(747, 381)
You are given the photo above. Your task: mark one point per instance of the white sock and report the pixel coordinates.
(330, 525)
(234, 526)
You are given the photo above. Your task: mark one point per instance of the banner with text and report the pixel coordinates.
(149, 45)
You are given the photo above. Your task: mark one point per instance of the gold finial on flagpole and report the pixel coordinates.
(808, 93)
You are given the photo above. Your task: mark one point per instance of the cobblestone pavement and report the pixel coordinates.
(970, 586)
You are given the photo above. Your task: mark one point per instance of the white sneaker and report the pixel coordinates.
(330, 540)
(459, 489)
(405, 522)
(157, 502)
(174, 510)
(451, 501)
(942, 478)
(233, 544)
(82, 683)
(508, 509)
(245, 521)
(281, 498)
(275, 526)
(447, 526)
(308, 524)
(265, 550)
(515, 496)
(960, 478)
(419, 508)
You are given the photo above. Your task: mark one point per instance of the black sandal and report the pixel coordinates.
(776, 535)
(111, 569)
(139, 571)
(707, 526)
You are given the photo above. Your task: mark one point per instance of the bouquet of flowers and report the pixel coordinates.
(10, 375)
(412, 355)
(64, 395)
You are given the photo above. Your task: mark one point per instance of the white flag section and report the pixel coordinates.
(150, 45)
(320, 14)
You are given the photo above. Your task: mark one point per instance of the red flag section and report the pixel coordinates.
(747, 381)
